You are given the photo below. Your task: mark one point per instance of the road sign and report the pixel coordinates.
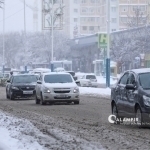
(47, 14)
(102, 40)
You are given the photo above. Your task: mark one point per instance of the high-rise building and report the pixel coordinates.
(86, 17)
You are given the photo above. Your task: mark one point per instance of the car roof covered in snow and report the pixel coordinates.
(141, 70)
(55, 73)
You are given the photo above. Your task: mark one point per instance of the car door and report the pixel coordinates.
(38, 87)
(9, 84)
(131, 94)
(121, 93)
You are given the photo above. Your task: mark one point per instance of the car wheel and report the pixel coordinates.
(41, 100)
(11, 96)
(7, 96)
(76, 102)
(138, 116)
(115, 112)
(79, 84)
(37, 101)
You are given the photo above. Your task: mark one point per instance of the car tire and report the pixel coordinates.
(76, 102)
(41, 100)
(115, 112)
(7, 96)
(11, 96)
(79, 84)
(138, 115)
(37, 101)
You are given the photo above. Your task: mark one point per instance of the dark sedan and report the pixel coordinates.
(21, 85)
(130, 96)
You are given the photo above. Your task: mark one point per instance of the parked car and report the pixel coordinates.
(88, 80)
(73, 74)
(130, 96)
(21, 85)
(56, 87)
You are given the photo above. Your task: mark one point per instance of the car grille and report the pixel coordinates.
(27, 88)
(63, 90)
(55, 97)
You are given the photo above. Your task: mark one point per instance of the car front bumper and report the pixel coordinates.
(19, 93)
(61, 97)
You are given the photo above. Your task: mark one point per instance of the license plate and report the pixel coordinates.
(61, 96)
(27, 92)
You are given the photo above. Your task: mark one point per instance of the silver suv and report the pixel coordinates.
(56, 87)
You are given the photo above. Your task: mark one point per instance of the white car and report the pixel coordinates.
(88, 80)
(56, 87)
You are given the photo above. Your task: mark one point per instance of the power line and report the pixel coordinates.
(12, 14)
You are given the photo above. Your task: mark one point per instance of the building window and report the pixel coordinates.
(84, 10)
(124, 19)
(142, 8)
(84, 28)
(98, 1)
(113, 20)
(75, 1)
(75, 20)
(113, 30)
(92, 1)
(124, 8)
(113, 9)
(84, 1)
(91, 10)
(91, 28)
(75, 10)
(83, 19)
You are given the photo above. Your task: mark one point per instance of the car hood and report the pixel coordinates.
(60, 85)
(24, 84)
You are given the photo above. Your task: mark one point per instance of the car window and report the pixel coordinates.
(124, 78)
(58, 78)
(131, 79)
(90, 77)
(144, 80)
(24, 79)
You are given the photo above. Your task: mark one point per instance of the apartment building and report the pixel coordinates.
(133, 13)
(86, 17)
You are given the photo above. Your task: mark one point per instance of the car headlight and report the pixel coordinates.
(14, 88)
(46, 90)
(76, 90)
(146, 100)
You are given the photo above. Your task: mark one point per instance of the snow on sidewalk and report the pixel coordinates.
(16, 134)
(21, 134)
(96, 92)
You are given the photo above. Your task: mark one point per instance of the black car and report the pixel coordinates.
(21, 85)
(130, 96)
(73, 74)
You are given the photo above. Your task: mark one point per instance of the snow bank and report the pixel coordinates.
(96, 92)
(17, 134)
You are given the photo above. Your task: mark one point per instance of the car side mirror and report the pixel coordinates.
(39, 82)
(8, 81)
(130, 87)
(77, 82)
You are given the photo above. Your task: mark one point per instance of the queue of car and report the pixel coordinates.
(47, 87)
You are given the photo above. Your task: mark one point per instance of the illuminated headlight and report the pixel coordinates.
(76, 90)
(14, 88)
(46, 90)
(146, 100)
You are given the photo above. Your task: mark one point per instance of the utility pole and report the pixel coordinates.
(25, 34)
(108, 46)
(3, 35)
(52, 22)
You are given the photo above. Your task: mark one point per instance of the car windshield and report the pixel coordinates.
(58, 78)
(25, 79)
(90, 77)
(144, 79)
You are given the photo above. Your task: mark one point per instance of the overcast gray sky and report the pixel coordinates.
(14, 16)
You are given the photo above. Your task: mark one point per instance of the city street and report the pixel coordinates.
(87, 122)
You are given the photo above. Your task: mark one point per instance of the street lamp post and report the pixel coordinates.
(108, 46)
(52, 51)
(3, 36)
